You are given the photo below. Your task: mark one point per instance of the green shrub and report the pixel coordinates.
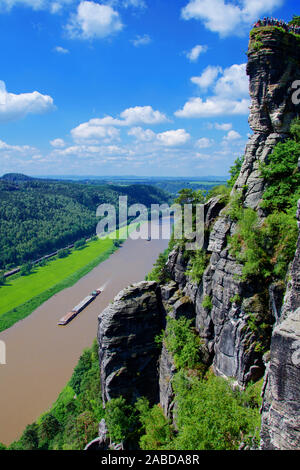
(84, 364)
(48, 428)
(257, 45)
(295, 20)
(235, 171)
(159, 272)
(235, 206)
(2, 278)
(207, 303)
(190, 196)
(80, 244)
(236, 299)
(198, 264)
(265, 249)
(182, 342)
(120, 418)
(281, 174)
(223, 191)
(26, 269)
(210, 415)
(157, 430)
(63, 253)
(30, 439)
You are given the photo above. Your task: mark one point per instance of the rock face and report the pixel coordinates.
(280, 412)
(292, 297)
(272, 70)
(129, 358)
(127, 350)
(167, 371)
(281, 393)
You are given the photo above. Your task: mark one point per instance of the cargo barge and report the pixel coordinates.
(81, 306)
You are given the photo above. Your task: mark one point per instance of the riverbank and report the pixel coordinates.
(21, 295)
(41, 356)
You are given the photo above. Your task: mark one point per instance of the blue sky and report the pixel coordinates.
(118, 87)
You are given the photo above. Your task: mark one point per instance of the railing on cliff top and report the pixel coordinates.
(289, 28)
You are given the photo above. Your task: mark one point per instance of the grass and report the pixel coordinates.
(23, 294)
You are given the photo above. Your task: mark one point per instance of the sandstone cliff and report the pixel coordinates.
(129, 361)
(128, 352)
(281, 392)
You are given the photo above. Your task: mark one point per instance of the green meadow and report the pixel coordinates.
(21, 295)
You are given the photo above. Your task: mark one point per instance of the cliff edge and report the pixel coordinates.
(229, 343)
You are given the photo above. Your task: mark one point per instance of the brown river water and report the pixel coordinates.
(41, 356)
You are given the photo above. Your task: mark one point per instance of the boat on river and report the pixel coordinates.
(81, 306)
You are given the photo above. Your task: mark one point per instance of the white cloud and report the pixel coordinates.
(4, 147)
(232, 17)
(55, 7)
(93, 130)
(16, 157)
(134, 3)
(234, 83)
(130, 117)
(214, 106)
(37, 5)
(139, 4)
(58, 143)
(223, 127)
(142, 114)
(144, 135)
(141, 40)
(208, 77)
(230, 93)
(194, 53)
(203, 143)
(94, 20)
(232, 135)
(34, 4)
(174, 137)
(109, 152)
(13, 106)
(61, 50)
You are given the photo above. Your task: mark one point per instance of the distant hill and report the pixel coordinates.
(40, 216)
(16, 177)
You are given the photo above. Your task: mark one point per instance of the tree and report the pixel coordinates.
(79, 244)
(282, 176)
(158, 432)
(189, 196)
(2, 278)
(26, 269)
(120, 419)
(182, 342)
(63, 253)
(295, 21)
(49, 427)
(295, 128)
(30, 439)
(86, 428)
(235, 171)
(159, 272)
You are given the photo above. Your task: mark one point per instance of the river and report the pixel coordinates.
(41, 356)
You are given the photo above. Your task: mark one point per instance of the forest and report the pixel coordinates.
(40, 216)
